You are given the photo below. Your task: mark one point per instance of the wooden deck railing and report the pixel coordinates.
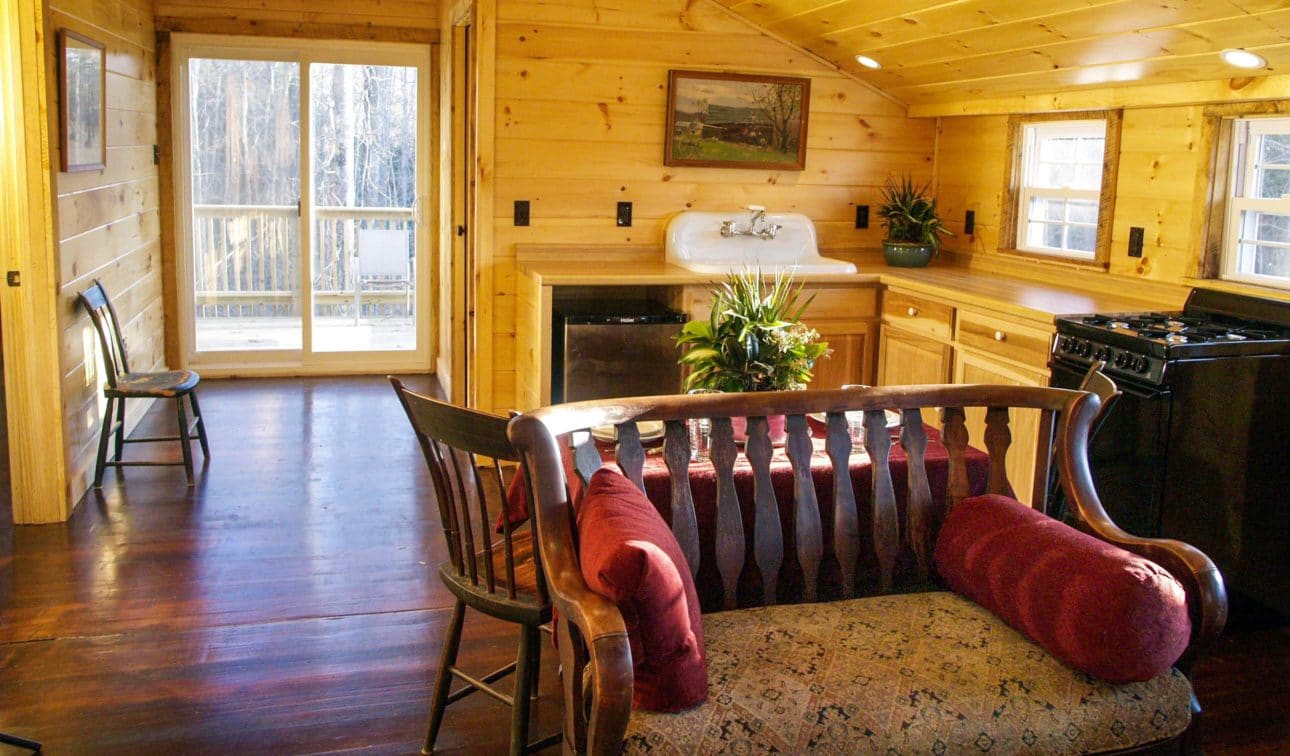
(246, 258)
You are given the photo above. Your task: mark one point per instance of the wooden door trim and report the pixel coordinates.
(29, 308)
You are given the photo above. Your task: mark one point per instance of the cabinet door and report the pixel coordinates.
(905, 359)
(851, 360)
(970, 367)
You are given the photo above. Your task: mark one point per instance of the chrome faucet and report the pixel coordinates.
(757, 225)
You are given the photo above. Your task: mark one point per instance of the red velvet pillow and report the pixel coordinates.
(1095, 606)
(629, 555)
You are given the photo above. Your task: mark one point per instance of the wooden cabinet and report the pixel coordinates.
(932, 340)
(906, 358)
(970, 367)
(846, 316)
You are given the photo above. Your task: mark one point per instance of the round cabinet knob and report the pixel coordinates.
(1000, 336)
(913, 312)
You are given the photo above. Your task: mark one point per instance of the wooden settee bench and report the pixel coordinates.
(894, 662)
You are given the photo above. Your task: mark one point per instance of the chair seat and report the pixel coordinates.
(912, 673)
(163, 384)
(526, 599)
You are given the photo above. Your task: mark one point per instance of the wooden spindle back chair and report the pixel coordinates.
(121, 383)
(465, 450)
(595, 655)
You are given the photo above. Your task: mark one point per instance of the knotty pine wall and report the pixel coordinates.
(581, 105)
(107, 221)
(1161, 159)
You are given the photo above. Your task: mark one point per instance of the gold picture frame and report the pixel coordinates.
(730, 120)
(82, 80)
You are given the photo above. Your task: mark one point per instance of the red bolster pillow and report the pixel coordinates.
(628, 555)
(1095, 606)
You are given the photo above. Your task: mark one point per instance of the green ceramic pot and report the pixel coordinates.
(907, 254)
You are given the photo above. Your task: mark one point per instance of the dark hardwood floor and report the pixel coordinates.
(288, 603)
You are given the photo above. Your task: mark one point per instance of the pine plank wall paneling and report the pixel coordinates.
(581, 105)
(1161, 156)
(106, 221)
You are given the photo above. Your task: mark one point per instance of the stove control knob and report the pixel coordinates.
(1102, 354)
(1085, 349)
(1141, 364)
(1122, 359)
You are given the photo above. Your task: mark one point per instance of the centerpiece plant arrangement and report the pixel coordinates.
(914, 228)
(754, 340)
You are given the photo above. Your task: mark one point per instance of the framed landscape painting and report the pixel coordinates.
(727, 120)
(81, 78)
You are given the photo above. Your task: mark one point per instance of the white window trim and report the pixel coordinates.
(1032, 132)
(1244, 144)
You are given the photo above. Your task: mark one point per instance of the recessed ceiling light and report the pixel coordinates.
(867, 62)
(1242, 58)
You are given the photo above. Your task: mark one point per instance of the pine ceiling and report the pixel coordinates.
(957, 50)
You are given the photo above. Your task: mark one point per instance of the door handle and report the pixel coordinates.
(461, 230)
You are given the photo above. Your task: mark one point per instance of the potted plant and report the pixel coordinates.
(753, 340)
(914, 229)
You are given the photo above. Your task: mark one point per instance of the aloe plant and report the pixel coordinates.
(754, 339)
(909, 215)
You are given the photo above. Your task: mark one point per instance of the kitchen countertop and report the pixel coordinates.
(1009, 295)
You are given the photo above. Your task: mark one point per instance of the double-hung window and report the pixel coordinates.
(1256, 244)
(1059, 197)
(1061, 187)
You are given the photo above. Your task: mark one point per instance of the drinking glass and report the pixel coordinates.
(855, 420)
(701, 431)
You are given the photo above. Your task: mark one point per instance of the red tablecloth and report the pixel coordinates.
(703, 486)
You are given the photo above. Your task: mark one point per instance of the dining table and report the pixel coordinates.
(703, 487)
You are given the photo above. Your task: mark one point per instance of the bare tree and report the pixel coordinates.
(781, 105)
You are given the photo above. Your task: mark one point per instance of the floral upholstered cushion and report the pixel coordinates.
(913, 673)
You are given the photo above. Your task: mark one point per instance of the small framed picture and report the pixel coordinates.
(729, 120)
(81, 81)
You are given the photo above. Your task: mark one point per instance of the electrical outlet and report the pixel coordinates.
(521, 212)
(624, 214)
(969, 222)
(1135, 241)
(862, 216)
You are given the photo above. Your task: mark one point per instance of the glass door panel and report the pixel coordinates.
(364, 131)
(244, 118)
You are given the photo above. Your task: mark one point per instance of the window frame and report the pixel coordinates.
(1012, 239)
(1239, 176)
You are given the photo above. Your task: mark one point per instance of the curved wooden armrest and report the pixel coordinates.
(1200, 578)
(592, 634)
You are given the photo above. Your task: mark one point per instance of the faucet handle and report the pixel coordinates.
(756, 208)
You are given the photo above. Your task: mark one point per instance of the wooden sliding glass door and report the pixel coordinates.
(302, 170)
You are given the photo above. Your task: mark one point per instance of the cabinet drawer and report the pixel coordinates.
(844, 302)
(1026, 344)
(916, 314)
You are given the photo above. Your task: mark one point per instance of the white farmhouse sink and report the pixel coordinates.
(694, 242)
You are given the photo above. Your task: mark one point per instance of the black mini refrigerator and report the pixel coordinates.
(610, 349)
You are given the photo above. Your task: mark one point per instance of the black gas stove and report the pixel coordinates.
(1140, 346)
(1195, 446)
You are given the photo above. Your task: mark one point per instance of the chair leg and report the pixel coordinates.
(535, 683)
(120, 428)
(201, 424)
(14, 740)
(104, 440)
(523, 684)
(185, 441)
(443, 679)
